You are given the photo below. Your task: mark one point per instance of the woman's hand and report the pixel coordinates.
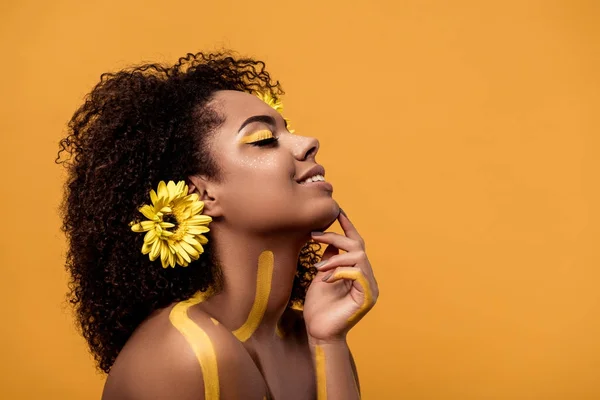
(343, 290)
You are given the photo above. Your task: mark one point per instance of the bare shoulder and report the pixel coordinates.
(187, 359)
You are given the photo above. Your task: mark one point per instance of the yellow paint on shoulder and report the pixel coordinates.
(261, 298)
(200, 343)
(321, 373)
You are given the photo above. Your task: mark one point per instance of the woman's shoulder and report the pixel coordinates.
(176, 353)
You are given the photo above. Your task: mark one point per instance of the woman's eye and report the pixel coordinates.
(265, 142)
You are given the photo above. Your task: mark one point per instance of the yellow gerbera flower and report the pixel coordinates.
(275, 104)
(173, 208)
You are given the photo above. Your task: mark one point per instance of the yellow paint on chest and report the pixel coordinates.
(200, 343)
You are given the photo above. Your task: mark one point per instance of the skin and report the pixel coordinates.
(258, 207)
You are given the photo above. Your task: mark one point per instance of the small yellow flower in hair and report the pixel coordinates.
(276, 104)
(174, 229)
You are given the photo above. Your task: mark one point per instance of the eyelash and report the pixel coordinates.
(265, 142)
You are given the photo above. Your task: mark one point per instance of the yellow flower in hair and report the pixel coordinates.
(268, 98)
(174, 229)
(275, 104)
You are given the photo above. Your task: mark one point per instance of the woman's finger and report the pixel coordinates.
(348, 227)
(360, 282)
(330, 252)
(339, 241)
(341, 260)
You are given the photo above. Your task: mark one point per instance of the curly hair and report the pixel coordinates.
(139, 126)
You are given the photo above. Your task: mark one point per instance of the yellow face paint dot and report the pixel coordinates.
(200, 343)
(261, 298)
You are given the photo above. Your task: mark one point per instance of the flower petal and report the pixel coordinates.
(189, 249)
(163, 193)
(199, 219)
(146, 247)
(201, 238)
(197, 207)
(148, 212)
(164, 254)
(153, 197)
(172, 189)
(198, 229)
(180, 186)
(150, 236)
(154, 252)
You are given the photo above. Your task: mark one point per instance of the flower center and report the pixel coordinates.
(179, 229)
(171, 218)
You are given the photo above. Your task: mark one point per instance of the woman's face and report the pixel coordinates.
(263, 169)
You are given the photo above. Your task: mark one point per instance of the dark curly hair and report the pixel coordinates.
(137, 127)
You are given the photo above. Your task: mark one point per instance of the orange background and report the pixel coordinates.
(462, 138)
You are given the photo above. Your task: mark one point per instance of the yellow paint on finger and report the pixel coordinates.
(357, 275)
(321, 373)
(200, 343)
(264, 277)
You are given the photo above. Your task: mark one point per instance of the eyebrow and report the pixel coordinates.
(258, 118)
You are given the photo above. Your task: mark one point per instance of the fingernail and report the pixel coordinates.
(320, 264)
(343, 213)
(327, 276)
(316, 233)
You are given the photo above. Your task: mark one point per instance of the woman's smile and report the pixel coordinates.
(315, 176)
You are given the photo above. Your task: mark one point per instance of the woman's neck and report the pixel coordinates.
(258, 275)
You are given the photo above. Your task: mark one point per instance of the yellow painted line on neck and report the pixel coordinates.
(321, 373)
(264, 277)
(200, 343)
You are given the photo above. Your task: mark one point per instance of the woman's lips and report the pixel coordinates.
(319, 184)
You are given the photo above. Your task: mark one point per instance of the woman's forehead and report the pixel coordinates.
(236, 106)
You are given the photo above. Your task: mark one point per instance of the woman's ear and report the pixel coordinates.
(206, 190)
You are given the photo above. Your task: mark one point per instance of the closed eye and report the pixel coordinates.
(265, 142)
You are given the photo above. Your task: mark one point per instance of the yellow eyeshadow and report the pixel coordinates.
(257, 136)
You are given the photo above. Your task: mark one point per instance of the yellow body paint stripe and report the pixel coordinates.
(356, 275)
(200, 343)
(261, 298)
(321, 373)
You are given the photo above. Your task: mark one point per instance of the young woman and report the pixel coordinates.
(194, 219)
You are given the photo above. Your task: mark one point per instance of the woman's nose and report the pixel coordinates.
(305, 147)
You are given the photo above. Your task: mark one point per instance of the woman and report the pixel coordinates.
(231, 302)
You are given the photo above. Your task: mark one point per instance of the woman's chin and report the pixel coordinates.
(326, 216)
